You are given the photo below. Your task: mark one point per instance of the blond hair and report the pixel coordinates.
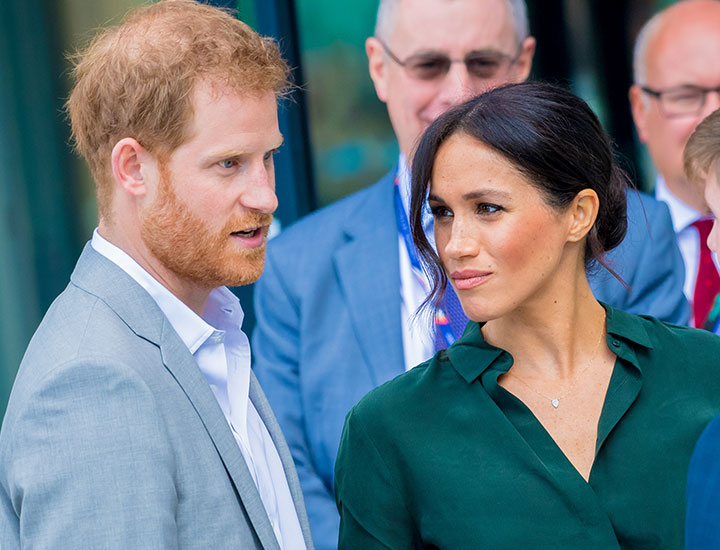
(136, 79)
(702, 152)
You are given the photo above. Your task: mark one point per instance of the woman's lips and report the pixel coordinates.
(469, 278)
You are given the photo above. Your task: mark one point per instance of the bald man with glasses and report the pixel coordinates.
(340, 287)
(677, 84)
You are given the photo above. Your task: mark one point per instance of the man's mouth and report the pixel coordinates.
(247, 233)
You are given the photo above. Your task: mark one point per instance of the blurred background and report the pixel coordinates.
(337, 135)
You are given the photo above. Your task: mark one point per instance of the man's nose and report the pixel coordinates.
(457, 84)
(712, 102)
(713, 240)
(259, 194)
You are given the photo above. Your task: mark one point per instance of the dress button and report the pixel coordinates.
(616, 343)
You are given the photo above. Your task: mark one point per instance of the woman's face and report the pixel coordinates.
(501, 244)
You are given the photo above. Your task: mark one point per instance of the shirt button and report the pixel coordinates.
(616, 343)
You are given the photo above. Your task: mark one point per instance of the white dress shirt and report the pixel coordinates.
(688, 239)
(222, 352)
(417, 330)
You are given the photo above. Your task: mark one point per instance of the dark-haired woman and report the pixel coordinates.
(555, 421)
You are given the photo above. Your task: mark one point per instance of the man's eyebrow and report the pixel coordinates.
(481, 51)
(232, 152)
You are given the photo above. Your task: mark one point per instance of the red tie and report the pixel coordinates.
(707, 285)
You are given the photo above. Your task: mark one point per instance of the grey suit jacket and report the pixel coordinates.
(113, 438)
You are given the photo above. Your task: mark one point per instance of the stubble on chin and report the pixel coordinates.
(185, 246)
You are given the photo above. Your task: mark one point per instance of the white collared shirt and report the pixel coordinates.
(222, 352)
(418, 339)
(688, 239)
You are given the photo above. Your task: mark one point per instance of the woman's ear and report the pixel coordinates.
(583, 211)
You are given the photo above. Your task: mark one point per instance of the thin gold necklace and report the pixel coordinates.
(555, 401)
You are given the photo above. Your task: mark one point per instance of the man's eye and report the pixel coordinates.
(269, 154)
(434, 63)
(428, 68)
(685, 97)
(482, 66)
(227, 163)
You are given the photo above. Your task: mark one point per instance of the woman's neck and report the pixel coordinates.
(553, 335)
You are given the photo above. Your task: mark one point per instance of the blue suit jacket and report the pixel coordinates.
(329, 327)
(114, 439)
(702, 521)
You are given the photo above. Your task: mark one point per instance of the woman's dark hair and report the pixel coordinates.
(553, 138)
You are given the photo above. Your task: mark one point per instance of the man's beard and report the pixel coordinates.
(185, 246)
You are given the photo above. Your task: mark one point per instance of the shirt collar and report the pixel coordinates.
(471, 355)
(681, 214)
(222, 308)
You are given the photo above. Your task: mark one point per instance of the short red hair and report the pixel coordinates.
(136, 79)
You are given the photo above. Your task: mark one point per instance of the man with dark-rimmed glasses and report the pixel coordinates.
(336, 300)
(677, 84)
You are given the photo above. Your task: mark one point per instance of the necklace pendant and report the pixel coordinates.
(555, 403)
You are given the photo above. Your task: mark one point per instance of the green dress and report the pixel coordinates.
(444, 457)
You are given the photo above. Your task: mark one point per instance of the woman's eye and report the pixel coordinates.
(440, 211)
(227, 163)
(487, 208)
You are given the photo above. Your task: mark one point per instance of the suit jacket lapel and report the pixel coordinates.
(266, 415)
(369, 274)
(107, 281)
(184, 369)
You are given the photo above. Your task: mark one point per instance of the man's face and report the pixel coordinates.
(712, 198)
(684, 52)
(453, 28)
(208, 220)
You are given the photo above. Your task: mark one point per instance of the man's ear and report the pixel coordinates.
(523, 65)
(639, 107)
(377, 64)
(584, 211)
(128, 158)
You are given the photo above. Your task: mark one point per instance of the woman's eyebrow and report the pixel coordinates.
(473, 195)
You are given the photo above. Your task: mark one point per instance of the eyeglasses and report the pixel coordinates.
(429, 66)
(682, 101)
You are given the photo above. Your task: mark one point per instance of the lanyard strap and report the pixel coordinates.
(441, 320)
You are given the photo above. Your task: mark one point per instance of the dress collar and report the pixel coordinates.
(471, 355)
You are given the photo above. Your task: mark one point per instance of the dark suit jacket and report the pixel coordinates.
(702, 521)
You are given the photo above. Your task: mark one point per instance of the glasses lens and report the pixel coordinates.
(484, 65)
(684, 101)
(427, 67)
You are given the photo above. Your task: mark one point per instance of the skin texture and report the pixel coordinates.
(452, 27)
(712, 198)
(528, 282)
(683, 51)
(490, 219)
(176, 216)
